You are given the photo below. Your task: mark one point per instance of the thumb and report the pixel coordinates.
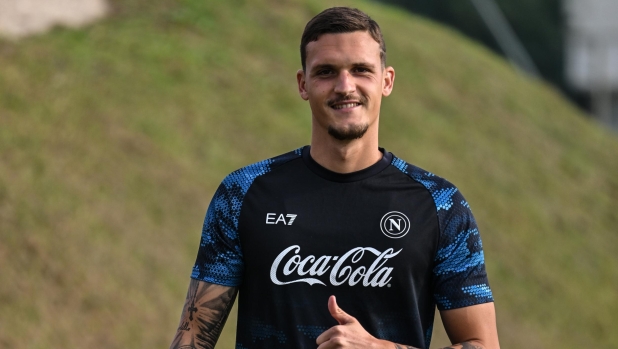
(337, 313)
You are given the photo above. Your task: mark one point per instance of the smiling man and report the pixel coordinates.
(341, 217)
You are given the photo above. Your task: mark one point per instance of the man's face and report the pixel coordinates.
(344, 83)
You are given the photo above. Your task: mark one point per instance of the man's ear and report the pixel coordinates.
(388, 81)
(300, 78)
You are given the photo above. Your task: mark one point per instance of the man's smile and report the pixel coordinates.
(346, 102)
(347, 105)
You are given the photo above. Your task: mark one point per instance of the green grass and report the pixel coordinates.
(113, 138)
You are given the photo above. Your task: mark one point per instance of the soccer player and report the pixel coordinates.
(339, 218)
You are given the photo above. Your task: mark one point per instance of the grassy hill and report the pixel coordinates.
(113, 139)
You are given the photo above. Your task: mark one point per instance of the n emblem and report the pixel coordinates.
(395, 225)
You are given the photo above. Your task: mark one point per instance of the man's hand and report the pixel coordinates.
(349, 333)
(472, 327)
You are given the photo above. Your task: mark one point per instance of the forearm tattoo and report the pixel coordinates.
(206, 309)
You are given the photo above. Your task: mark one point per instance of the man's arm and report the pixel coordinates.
(474, 326)
(471, 327)
(203, 316)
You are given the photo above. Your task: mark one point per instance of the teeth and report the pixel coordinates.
(347, 105)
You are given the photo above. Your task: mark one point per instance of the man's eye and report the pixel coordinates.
(361, 70)
(324, 72)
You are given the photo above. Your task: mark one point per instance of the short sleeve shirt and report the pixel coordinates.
(391, 241)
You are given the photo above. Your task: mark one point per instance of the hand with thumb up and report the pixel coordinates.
(349, 333)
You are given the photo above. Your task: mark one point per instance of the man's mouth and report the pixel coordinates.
(345, 105)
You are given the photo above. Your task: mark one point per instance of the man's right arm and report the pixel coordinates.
(203, 316)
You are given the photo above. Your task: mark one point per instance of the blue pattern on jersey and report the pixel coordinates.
(479, 291)
(219, 258)
(444, 198)
(389, 327)
(400, 164)
(478, 294)
(443, 302)
(459, 264)
(456, 257)
(312, 332)
(428, 335)
(261, 331)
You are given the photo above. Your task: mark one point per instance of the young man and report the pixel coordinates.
(341, 218)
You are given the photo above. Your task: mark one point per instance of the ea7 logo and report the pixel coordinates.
(273, 218)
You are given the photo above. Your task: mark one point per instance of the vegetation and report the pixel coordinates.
(539, 25)
(113, 139)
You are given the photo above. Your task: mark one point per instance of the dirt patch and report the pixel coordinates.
(20, 18)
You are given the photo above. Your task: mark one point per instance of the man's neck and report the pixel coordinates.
(346, 156)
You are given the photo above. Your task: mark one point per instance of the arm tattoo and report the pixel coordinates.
(206, 309)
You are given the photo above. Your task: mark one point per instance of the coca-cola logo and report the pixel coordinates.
(345, 269)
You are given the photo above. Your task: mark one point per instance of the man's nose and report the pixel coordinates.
(345, 83)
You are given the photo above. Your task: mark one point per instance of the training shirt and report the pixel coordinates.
(391, 241)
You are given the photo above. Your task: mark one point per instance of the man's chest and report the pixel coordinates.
(361, 234)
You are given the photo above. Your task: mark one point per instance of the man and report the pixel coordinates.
(341, 218)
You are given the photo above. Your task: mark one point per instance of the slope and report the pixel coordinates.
(113, 138)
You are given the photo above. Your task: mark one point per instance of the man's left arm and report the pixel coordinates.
(472, 327)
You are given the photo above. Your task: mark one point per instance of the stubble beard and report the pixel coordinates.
(348, 133)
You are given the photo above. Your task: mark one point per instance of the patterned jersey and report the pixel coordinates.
(391, 241)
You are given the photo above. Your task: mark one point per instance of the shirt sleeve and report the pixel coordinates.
(460, 279)
(219, 258)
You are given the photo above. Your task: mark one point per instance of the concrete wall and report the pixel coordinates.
(592, 53)
(19, 18)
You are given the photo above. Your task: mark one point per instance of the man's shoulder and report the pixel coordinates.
(245, 176)
(442, 191)
(428, 179)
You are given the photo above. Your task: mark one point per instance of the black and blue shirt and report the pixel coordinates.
(391, 241)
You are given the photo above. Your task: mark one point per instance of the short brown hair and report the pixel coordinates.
(337, 20)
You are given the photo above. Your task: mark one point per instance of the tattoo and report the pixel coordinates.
(205, 312)
(399, 346)
(184, 327)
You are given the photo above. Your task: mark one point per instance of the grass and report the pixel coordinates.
(113, 139)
